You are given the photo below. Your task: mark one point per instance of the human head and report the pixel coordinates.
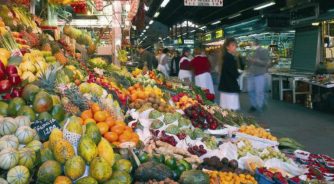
(186, 51)
(140, 49)
(165, 50)
(230, 45)
(197, 51)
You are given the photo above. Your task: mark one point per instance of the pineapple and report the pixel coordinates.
(76, 97)
(58, 54)
(69, 107)
(48, 79)
(46, 47)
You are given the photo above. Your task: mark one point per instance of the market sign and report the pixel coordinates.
(207, 37)
(188, 42)
(218, 3)
(219, 33)
(44, 128)
(179, 41)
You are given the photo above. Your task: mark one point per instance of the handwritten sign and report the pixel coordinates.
(44, 128)
(217, 3)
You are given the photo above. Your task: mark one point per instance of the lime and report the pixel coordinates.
(181, 167)
(176, 174)
(143, 157)
(186, 164)
(171, 163)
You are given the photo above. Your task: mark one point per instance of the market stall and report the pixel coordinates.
(72, 119)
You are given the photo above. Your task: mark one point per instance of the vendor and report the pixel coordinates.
(201, 67)
(146, 58)
(185, 73)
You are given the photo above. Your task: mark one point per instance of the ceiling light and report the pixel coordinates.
(292, 31)
(203, 27)
(234, 16)
(192, 31)
(144, 31)
(265, 5)
(164, 3)
(146, 8)
(184, 34)
(151, 22)
(217, 22)
(315, 24)
(147, 27)
(179, 36)
(156, 15)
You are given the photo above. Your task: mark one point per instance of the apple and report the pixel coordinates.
(14, 79)
(11, 69)
(5, 86)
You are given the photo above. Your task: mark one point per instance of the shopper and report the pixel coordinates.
(163, 65)
(174, 66)
(258, 64)
(201, 68)
(146, 58)
(228, 85)
(185, 73)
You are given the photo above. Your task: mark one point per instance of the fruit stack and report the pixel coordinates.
(200, 118)
(257, 132)
(9, 82)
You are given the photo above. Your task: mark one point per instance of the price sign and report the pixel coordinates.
(217, 3)
(44, 128)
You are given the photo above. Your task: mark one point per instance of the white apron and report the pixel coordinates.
(163, 68)
(204, 80)
(184, 74)
(229, 101)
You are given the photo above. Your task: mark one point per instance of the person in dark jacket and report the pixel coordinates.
(146, 59)
(228, 86)
(174, 66)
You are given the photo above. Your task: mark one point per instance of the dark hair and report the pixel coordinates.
(165, 50)
(228, 41)
(185, 49)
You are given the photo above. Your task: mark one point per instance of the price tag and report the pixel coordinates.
(44, 128)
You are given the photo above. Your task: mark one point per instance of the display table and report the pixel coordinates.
(292, 79)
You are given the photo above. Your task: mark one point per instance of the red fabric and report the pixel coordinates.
(200, 65)
(185, 64)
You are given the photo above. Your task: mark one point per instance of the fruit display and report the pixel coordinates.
(68, 117)
(257, 132)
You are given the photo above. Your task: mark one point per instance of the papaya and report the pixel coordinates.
(75, 167)
(63, 150)
(15, 105)
(55, 136)
(87, 180)
(29, 92)
(48, 172)
(62, 180)
(87, 149)
(93, 132)
(3, 109)
(44, 116)
(100, 169)
(74, 125)
(27, 111)
(105, 151)
(58, 112)
(42, 102)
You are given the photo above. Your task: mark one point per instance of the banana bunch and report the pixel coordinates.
(286, 142)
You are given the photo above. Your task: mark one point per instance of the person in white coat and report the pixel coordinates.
(163, 65)
(185, 73)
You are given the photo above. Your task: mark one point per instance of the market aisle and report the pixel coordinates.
(313, 129)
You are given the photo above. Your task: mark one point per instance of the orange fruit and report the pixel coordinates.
(111, 136)
(89, 120)
(134, 140)
(120, 123)
(141, 95)
(124, 138)
(137, 85)
(100, 116)
(134, 96)
(95, 107)
(86, 114)
(107, 114)
(127, 128)
(118, 129)
(103, 127)
(110, 121)
(131, 88)
(116, 143)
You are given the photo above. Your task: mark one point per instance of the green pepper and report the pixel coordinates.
(143, 157)
(186, 164)
(171, 163)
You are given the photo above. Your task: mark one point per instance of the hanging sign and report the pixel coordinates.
(188, 42)
(219, 34)
(44, 128)
(218, 3)
(207, 37)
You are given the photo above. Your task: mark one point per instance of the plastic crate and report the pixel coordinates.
(261, 179)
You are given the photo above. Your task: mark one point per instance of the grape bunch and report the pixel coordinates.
(162, 136)
(270, 152)
(247, 148)
(201, 118)
(197, 150)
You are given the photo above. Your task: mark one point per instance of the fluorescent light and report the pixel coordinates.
(192, 31)
(156, 15)
(217, 22)
(151, 22)
(184, 34)
(144, 31)
(292, 31)
(203, 27)
(234, 16)
(315, 24)
(265, 5)
(164, 3)
(146, 8)
(179, 36)
(147, 27)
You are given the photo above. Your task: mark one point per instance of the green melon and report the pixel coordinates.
(27, 111)
(58, 112)
(46, 154)
(15, 105)
(87, 149)
(93, 132)
(29, 92)
(3, 109)
(44, 116)
(42, 102)
(75, 167)
(48, 172)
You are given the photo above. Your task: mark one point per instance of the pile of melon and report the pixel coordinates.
(18, 146)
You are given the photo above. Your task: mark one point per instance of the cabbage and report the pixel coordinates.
(184, 122)
(156, 124)
(172, 129)
(170, 118)
(155, 114)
